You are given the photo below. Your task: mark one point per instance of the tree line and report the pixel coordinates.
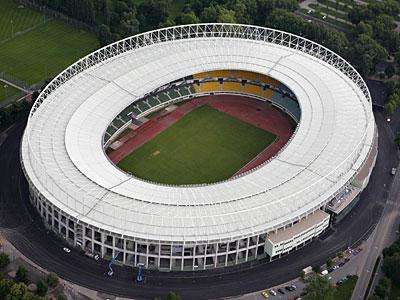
(391, 270)
(372, 40)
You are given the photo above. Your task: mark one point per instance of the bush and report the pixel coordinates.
(382, 290)
(329, 263)
(173, 296)
(4, 260)
(22, 274)
(391, 267)
(316, 269)
(61, 297)
(52, 280)
(41, 288)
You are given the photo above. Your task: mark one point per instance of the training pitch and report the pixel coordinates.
(204, 146)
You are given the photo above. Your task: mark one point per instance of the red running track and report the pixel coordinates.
(249, 110)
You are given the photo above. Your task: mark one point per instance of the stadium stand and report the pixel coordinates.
(234, 81)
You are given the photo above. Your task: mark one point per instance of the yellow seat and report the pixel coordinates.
(232, 86)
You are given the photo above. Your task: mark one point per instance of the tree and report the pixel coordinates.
(366, 53)
(52, 280)
(5, 287)
(340, 254)
(61, 297)
(391, 267)
(226, 15)
(104, 35)
(17, 292)
(364, 28)
(329, 263)
(316, 269)
(397, 61)
(303, 275)
(152, 13)
(4, 260)
(189, 18)
(22, 274)
(173, 296)
(209, 14)
(390, 71)
(41, 288)
(318, 288)
(383, 288)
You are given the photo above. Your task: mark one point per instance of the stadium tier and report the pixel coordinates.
(219, 81)
(264, 213)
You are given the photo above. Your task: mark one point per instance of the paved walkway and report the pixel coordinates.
(14, 85)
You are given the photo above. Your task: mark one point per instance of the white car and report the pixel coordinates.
(272, 292)
(66, 250)
(96, 257)
(393, 172)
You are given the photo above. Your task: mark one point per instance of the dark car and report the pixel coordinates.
(339, 282)
(280, 291)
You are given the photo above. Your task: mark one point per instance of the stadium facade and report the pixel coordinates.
(267, 212)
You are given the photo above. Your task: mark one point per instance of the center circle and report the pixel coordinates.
(203, 129)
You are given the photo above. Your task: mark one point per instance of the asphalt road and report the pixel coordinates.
(22, 227)
(383, 234)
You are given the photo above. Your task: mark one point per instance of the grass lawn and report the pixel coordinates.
(7, 92)
(204, 146)
(14, 19)
(46, 50)
(344, 291)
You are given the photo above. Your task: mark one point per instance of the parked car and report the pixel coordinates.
(272, 292)
(265, 294)
(280, 291)
(290, 288)
(66, 250)
(96, 257)
(393, 172)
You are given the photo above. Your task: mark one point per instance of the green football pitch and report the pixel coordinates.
(204, 146)
(34, 47)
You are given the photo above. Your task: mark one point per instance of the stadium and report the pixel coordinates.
(200, 146)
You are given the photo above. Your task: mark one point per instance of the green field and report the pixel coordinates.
(14, 18)
(204, 146)
(42, 52)
(7, 92)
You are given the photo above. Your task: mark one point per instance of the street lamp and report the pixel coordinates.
(5, 89)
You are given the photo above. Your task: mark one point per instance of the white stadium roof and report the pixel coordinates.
(63, 156)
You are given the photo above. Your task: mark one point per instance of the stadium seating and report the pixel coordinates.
(144, 105)
(285, 101)
(245, 75)
(253, 90)
(254, 84)
(210, 86)
(213, 74)
(232, 86)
